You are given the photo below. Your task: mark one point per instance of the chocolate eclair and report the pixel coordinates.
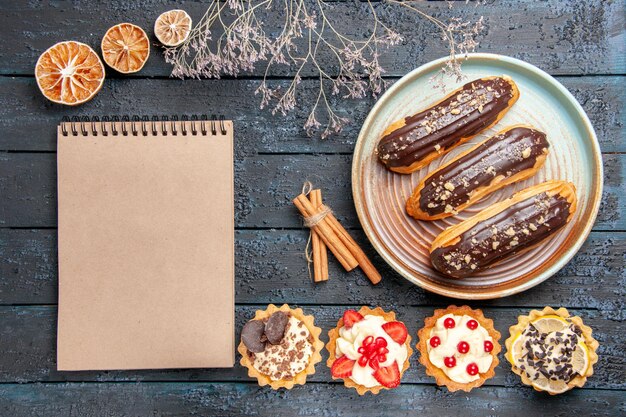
(413, 142)
(511, 155)
(506, 228)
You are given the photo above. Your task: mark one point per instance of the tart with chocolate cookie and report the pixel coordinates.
(459, 348)
(280, 346)
(551, 350)
(369, 349)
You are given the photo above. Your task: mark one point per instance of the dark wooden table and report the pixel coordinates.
(580, 43)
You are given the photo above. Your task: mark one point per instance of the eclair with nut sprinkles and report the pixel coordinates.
(511, 155)
(504, 229)
(413, 142)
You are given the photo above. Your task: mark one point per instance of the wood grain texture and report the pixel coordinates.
(562, 37)
(270, 266)
(230, 400)
(582, 43)
(257, 131)
(264, 188)
(27, 352)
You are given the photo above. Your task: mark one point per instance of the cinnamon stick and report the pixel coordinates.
(320, 255)
(326, 233)
(364, 262)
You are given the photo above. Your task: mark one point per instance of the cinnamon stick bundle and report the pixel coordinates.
(333, 234)
(324, 231)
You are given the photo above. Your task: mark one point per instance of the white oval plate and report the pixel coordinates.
(403, 242)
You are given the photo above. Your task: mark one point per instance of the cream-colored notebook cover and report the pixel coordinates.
(146, 241)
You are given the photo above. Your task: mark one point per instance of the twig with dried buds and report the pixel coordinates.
(231, 39)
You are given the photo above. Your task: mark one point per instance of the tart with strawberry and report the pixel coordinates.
(280, 346)
(551, 350)
(369, 349)
(459, 347)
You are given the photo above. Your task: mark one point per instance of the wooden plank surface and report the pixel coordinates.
(27, 352)
(264, 188)
(582, 43)
(230, 400)
(257, 131)
(270, 267)
(561, 37)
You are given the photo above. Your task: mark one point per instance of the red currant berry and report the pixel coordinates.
(374, 364)
(368, 340)
(381, 358)
(449, 361)
(463, 347)
(472, 369)
(363, 360)
(435, 341)
(381, 342)
(361, 350)
(472, 325)
(488, 346)
(449, 323)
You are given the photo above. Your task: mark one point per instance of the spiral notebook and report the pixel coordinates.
(145, 211)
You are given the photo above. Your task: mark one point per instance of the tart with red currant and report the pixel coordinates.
(280, 346)
(459, 347)
(369, 349)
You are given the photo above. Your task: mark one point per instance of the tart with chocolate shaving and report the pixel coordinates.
(414, 141)
(280, 346)
(369, 349)
(551, 350)
(459, 348)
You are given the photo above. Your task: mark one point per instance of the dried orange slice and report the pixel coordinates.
(172, 28)
(125, 48)
(69, 73)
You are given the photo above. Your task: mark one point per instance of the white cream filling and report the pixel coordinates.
(450, 338)
(351, 339)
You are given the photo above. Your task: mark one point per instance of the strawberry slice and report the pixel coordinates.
(342, 367)
(350, 317)
(396, 330)
(389, 376)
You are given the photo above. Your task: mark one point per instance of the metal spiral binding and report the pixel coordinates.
(148, 126)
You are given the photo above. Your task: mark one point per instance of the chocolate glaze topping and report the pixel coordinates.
(473, 107)
(515, 228)
(505, 154)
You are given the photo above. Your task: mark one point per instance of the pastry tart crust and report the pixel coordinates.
(333, 334)
(440, 377)
(523, 321)
(299, 378)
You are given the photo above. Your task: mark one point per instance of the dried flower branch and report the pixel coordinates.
(461, 39)
(230, 39)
